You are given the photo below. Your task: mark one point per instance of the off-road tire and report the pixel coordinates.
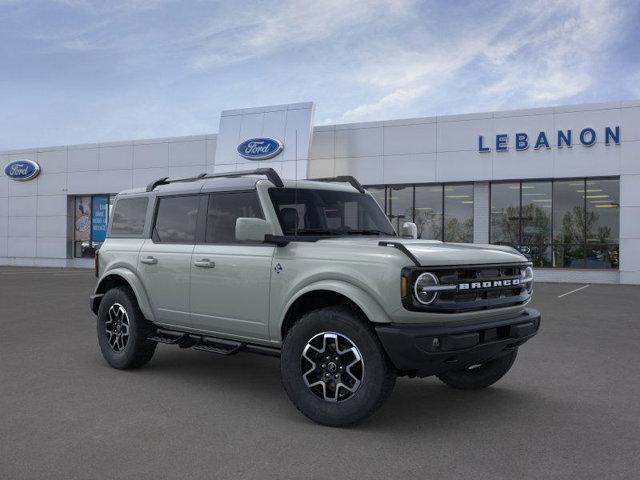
(137, 350)
(482, 376)
(378, 378)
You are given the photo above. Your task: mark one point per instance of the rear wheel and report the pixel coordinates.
(123, 330)
(334, 368)
(480, 376)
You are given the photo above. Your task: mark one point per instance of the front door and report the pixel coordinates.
(165, 259)
(230, 279)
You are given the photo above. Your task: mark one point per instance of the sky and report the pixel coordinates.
(80, 71)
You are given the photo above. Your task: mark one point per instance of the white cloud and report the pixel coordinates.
(286, 25)
(543, 52)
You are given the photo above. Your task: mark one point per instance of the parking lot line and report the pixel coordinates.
(573, 291)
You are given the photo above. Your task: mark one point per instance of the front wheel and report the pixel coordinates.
(333, 367)
(476, 377)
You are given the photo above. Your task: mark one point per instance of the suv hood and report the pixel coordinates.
(433, 252)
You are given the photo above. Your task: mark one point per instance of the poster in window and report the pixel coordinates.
(82, 229)
(99, 217)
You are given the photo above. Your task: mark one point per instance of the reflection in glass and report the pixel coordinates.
(400, 204)
(569, 223)
(428, 212)
(505, 214)
(378, 194)
(458, 213)
(603, 211)
(536, 222)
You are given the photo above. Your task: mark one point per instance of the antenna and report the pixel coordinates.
(295, 195)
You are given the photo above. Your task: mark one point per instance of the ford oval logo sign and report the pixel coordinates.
(22, 170)
(260, 148)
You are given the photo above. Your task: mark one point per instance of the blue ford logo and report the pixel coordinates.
(260, 148)
(22, 170)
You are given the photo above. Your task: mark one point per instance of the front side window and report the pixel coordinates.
(223, 211)
(328, 212)
(176, 219)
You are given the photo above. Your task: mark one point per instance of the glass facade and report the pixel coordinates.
(560, 223)
(90, 221)
(440, 211)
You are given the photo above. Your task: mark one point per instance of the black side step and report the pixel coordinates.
(205, 343)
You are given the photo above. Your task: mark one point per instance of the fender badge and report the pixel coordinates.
(278, 268)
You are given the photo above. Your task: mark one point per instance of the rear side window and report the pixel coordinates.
(128, 216)
(176, 219)
(224, 209)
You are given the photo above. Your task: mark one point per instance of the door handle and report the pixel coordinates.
(204, 263)
(149, 260)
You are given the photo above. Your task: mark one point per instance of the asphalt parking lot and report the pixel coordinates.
(569, 408)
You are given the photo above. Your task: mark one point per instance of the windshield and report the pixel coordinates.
(328, 212)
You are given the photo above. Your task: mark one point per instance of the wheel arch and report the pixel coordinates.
(122, 277)
(324, 294)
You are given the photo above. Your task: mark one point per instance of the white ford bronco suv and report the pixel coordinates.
(312, 272)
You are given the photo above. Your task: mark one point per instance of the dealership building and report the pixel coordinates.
(561, 184)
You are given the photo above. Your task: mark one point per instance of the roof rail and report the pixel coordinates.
(342, 178)
(270, 173)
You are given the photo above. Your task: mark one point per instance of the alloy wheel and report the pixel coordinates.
(333, 366)
(117, 327)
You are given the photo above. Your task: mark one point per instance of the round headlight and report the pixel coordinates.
(421, 288)
(526, 275)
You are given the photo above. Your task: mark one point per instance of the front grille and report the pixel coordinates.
(476, 287)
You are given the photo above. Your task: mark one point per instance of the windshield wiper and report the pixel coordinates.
(314, 232)
(367, 232)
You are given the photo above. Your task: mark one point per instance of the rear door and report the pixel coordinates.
(230, 279)
(165, 259)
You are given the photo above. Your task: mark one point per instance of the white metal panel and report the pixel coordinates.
(22, 227)
(188, 153)
(51, 247)
(119, 157)
(406, 139)
(52, 226)
(151, 155)
(83, 159)
(358, 142)
(52, 183)
(21, 246)
(52, 161)
(368, 170)
(22, 206)
(406, 168)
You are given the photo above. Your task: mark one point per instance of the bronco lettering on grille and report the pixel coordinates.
(511, 282)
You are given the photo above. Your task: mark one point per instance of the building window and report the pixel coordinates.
(91, 218)
(458, 213)
(428, 211)
(564, 223)
(441, 212)
(400, 205)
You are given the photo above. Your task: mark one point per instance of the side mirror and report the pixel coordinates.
(409, 230)
(251, 229)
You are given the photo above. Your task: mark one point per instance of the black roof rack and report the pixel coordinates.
(342, 178)
(270, 173)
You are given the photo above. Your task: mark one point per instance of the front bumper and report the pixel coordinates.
(426, 350)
